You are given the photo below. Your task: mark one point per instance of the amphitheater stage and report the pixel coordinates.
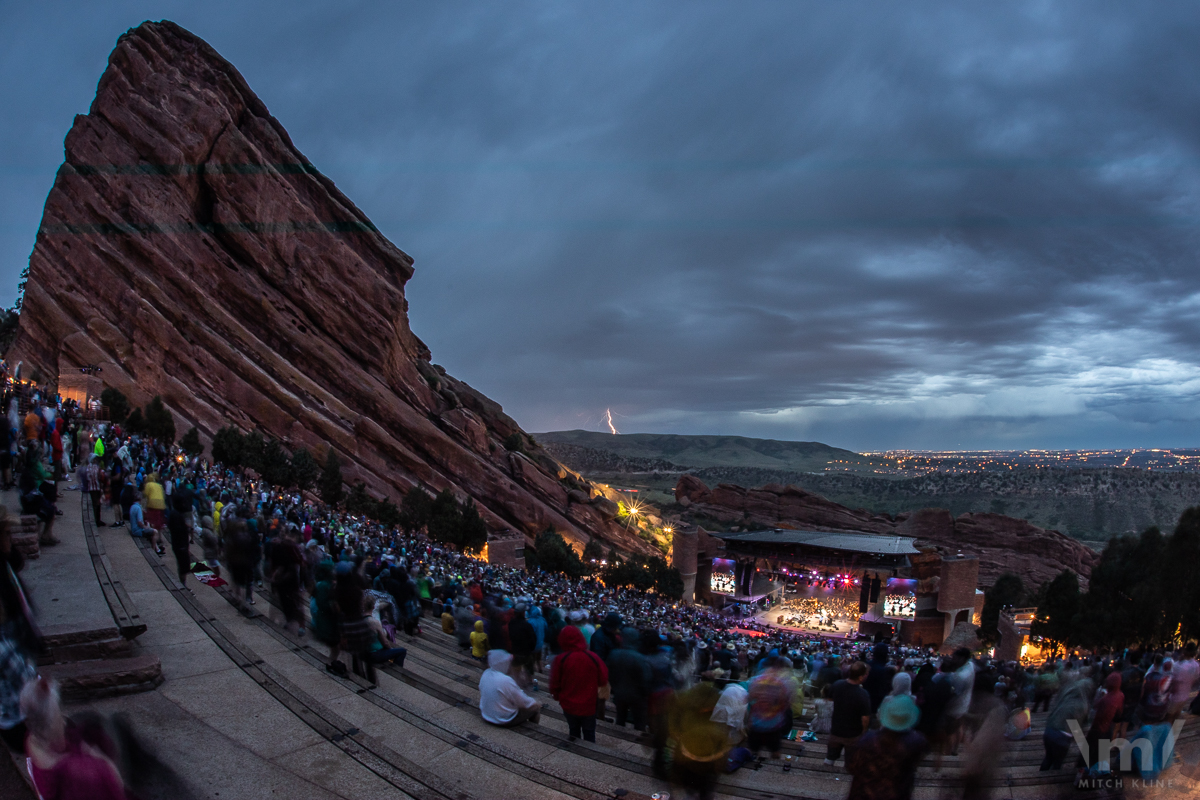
(814, 610)
(838, 629)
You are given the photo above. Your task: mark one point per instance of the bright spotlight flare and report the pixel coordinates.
(632, 511)
(608, 418)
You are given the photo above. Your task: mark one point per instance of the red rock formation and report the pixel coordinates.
(1002, 544)
(193, 252)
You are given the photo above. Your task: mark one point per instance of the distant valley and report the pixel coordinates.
(1086, 503)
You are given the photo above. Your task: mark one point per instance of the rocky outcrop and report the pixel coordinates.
(1002, 544)
(190, 250)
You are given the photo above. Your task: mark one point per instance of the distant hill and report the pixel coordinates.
(1090, 504)
(661, 450)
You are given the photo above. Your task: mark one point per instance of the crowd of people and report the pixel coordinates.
(708, 693)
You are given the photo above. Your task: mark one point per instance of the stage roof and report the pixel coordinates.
(850, 542)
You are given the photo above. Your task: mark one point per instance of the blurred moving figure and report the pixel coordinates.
(19, 639)
(884, 762)
(702, 744)
(1071, 703)
(64, 765)
(89, 757)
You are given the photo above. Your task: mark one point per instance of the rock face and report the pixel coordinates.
(189, 249)
(1002, 544)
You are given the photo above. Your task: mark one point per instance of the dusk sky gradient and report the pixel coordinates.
(877, 225)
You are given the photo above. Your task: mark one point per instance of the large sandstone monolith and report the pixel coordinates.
(189, 249)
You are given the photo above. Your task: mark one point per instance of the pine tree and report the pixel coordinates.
(386, 513)
(472, 530)
(116, 403)
(1056, 612)
(331, 485)
(305, 470)
(1182, 575)
(358, 502)
(593, 554)
(415, 510)
(555, 555)
(135, 423)
(445, 518)
(190, 443)
(253, 446)
(276, 466)
(668, 581)
(228, 447)
(160, 424)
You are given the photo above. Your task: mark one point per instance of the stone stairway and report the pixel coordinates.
(439, 678)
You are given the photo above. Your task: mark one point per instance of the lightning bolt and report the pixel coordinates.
(608, 419)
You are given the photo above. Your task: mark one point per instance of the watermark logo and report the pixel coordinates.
(1125, 749)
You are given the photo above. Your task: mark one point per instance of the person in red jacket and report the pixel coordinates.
(56, 448)
(575, 679)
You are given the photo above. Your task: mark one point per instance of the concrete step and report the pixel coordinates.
(105, 677)
(104, 643)
(25, 529)
(437, 668)
(438, 659)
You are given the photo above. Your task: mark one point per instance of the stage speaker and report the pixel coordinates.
(864, 601)
(744, 574)
(874, 588)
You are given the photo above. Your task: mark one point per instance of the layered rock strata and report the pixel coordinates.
(190, 250)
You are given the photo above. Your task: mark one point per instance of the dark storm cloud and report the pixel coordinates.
(877, 225)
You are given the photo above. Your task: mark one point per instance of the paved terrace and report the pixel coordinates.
(248, 711)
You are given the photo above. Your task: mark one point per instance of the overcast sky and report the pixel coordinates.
(875, 225)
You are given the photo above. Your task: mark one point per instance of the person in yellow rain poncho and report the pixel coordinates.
(479, 642)
(701, 745)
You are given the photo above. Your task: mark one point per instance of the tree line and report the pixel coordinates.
(152, 420)
(1145, 592)
(442, 517)
(553, 554)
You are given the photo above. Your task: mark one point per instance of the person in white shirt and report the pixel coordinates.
(501, 700)
(963, 680)
(1183, 680)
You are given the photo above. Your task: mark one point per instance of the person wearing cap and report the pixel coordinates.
(501, 701)
(884, 762)
(579, 619)
(723, 657)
